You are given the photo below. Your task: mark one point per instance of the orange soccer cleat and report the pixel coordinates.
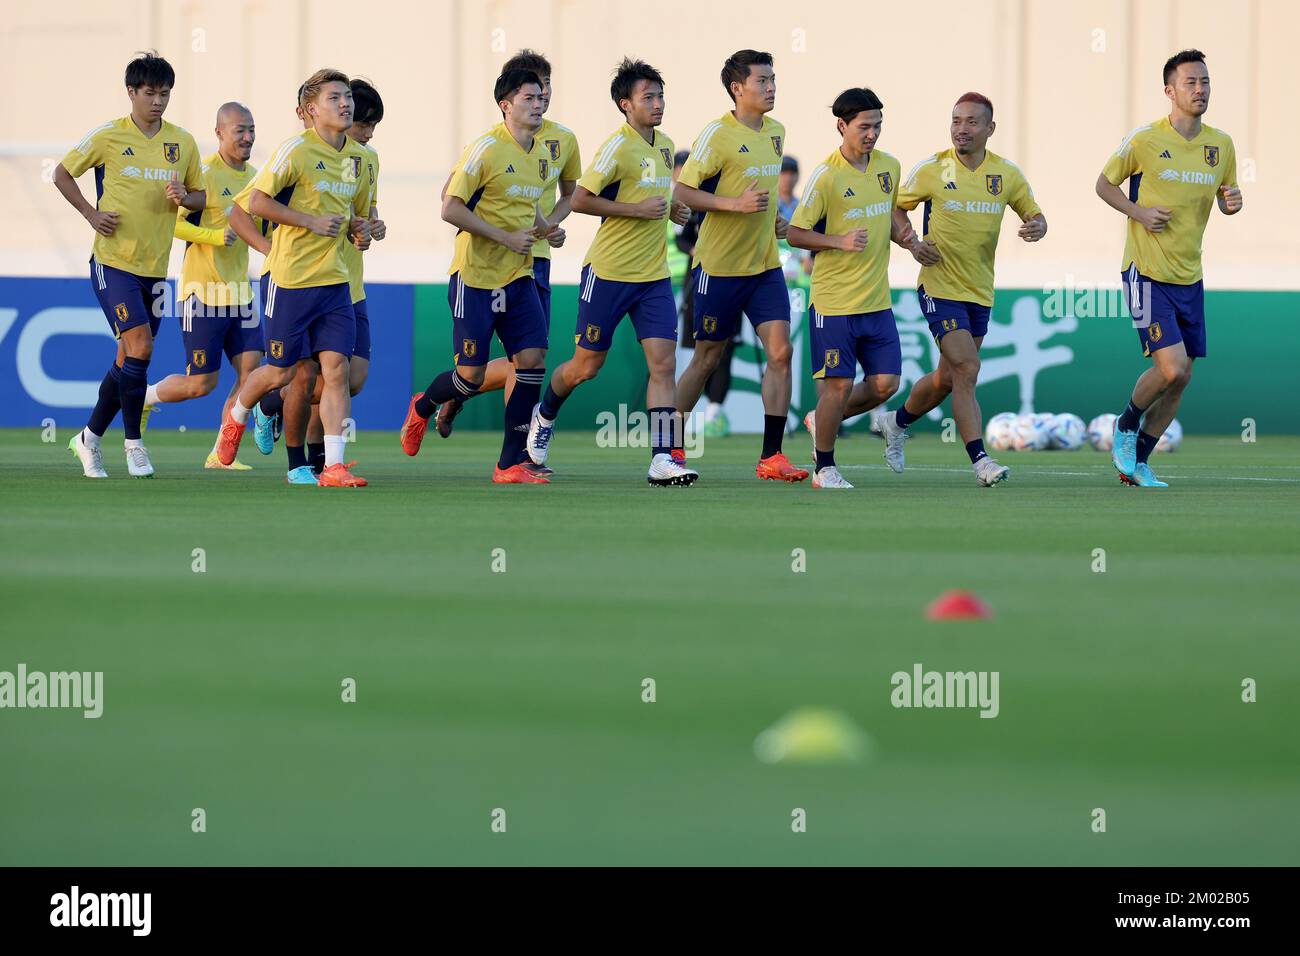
(778, 468)
(232, 433)
(412, 433)
(517, 475)
(338, 476)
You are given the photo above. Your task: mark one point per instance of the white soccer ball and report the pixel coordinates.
(1067, 432)
(1101, 432)
(997, 434)
(1029, 433)
(1172, 438)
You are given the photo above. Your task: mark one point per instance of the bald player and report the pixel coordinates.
(217, 313)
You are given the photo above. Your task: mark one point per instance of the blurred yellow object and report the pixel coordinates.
(813, 735)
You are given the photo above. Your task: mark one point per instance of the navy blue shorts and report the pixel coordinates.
(542, 275)
(302, 323)
(839, 343)
(362, 347)
(517, 320)
(127, 299)
(949, 315)
(209, 330)
(1165, 314)
(603, 303)
(719, 301)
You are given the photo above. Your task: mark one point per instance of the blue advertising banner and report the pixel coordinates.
(55, 346)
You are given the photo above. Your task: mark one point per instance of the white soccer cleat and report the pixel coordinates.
(829, 477)
(810, 423)
(92, 459)
(539, 436)
(665, 471)
(988, 472)
(137, 462)
(894, 437)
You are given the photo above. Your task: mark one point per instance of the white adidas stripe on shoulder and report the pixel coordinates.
(1127, 143)
(475, 157)
(283, 154)
(701, 148)
(609, 154)
(84, 144)
(911, 177)
(810, 188)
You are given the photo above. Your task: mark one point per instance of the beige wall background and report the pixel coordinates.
(1068, 81)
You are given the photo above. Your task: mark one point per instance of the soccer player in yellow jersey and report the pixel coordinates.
(565, 167)
(965, 191)
(845, 217)
(315, 187)
(144, 168)
(493, 200)
(732, 170)
(217, 312)
(629, 186)
(1177, 169)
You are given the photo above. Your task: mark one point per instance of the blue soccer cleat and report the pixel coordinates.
(302, 475)
(1124, 451)
(1144, 477)
(263, 430)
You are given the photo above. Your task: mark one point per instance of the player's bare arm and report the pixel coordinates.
(590, 204)
(103, 222)
(177, 193)
(853, 241)
(752, 200)
(265, 207)
(456, 213)
(1033, 228)
(1229, 200)
(1151, 218)
(245, 228)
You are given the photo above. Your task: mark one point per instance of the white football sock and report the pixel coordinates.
(334, 446)
(151, 396)
(239, 413)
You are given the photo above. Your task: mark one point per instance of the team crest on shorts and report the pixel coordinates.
(710, 324)
(949, 325)
(277, 349)
(994, 184)
(668, 157)
(886, 182)
(172, 152)
(543, 167)
(593, 333)
(776, 144)
(468, 348)
(1211, 156)
(1153, 332)
(554, 146)
(122, 312)
(200, 358)
(832, 358)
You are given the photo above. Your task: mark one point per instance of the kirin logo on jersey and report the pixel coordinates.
(1186, 176)
(172, 152)
(554, 146)
(767, 169)
(886, 182)
(1211, 156)
(854, 213)
(994, 185)
(952, 205)
(131, 172)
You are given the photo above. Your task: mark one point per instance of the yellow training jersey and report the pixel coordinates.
(836, 199)
(1182, 175)
(351, 254)
(131, 173)
(503, 185)
(565, 163)
(726, 157)
(963, 215)
(310, 176)
(215, 272)
(628, 169)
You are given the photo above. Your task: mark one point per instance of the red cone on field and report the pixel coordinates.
(958, 606)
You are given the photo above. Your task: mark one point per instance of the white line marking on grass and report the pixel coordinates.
(1067, 474)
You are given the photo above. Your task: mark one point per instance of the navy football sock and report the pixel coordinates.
(297, 456)
(551, 403)
(519, 412)
(1130, 418)
(903, 417)
(444, 388)
(662, 429)
(108, 404)
(132, 385)
(976, 450)
(272, 403)
(773, 434)
(316, 456)
(825, 459)
(1146, 445)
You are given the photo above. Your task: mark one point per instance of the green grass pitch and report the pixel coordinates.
(522, 690)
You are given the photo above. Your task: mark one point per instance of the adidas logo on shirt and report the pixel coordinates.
(744, 148)
(1165, 155)
(128, 151)
(321, 166)
(510, 168)
(950, 186)
(849, 192)
(226, 191)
